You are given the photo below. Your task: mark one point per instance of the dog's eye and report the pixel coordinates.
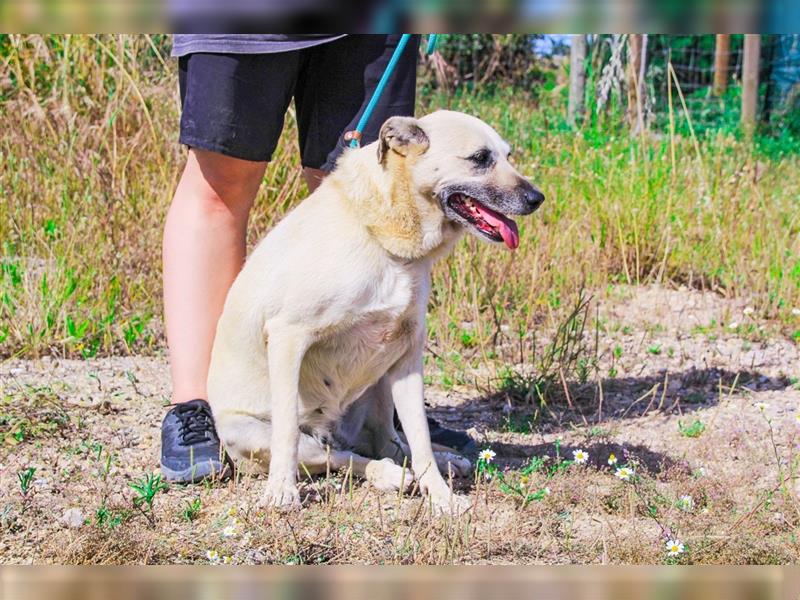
(482, 157)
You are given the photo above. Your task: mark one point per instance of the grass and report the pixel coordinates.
(33, 414)
(89, 161)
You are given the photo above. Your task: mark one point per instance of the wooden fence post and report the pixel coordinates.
(637, 65)
(752, 50)
(577, 78)
(722, 51)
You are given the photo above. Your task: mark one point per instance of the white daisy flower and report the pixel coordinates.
(761, 406)
(580, 456)
(612, 459)
(675, 547)
(226, 560)
(749, 310)
(229, 531)
(686, 503)
(212, 555)
(624, 473)
(487, 455)
(796, 312)
(733, 325)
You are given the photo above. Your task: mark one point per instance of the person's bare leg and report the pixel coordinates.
(203, 251)
(313, 177)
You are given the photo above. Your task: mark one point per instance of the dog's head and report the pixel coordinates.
(463, 165)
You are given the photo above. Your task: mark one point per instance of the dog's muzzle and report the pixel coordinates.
(485, 209)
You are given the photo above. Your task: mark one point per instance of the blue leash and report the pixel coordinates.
(355, 136)
(431, 44)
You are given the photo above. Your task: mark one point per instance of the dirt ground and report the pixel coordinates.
(668, 359)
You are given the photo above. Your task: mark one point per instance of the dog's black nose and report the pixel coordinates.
(533, 197)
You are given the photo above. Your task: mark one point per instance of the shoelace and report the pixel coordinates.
(196, 423)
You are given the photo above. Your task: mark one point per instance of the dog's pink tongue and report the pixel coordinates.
(506, 227)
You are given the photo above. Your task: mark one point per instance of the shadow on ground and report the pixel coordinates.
(656, 463)
(507, 410)
(641, 458)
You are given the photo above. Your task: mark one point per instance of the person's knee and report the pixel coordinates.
(222, 186)
(313, 177)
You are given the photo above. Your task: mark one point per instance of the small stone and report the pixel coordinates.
(73, 517)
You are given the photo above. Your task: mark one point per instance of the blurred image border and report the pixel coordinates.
(381, 16)
(419, 583)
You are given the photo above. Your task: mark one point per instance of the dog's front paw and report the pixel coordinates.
(452, 464)
(280, 494)
(452, 505)
(388, 476)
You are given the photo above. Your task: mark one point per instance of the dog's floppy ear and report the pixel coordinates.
(402, 135)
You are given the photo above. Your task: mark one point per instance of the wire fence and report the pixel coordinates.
(712, 101)
(693, 63)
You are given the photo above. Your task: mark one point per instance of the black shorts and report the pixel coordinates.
(234, 104)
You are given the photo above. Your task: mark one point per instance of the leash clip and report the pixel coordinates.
(354, 137)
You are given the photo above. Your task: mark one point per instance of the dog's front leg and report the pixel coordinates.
(286, 347)
(405, 380)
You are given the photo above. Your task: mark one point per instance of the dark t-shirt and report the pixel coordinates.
(246, 43)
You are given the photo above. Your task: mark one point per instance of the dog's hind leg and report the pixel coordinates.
(368, 426)
(315, 458)
(247, 441)
(378, 437)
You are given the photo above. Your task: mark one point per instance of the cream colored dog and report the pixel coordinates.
(323, 331)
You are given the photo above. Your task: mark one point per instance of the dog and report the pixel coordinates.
(323, 330)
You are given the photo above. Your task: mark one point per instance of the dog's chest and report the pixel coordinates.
(337, 369)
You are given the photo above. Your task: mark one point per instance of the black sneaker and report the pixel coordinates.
(457, 440)
(190, 449)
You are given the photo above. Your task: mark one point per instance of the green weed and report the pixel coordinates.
(519, 484)
(146, 488)
(694, 430)
(25, 478)
(192, 509)
(565, 356)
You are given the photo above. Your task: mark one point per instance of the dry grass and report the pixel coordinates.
(89, 160)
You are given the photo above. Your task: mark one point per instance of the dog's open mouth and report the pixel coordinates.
(490, 223)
